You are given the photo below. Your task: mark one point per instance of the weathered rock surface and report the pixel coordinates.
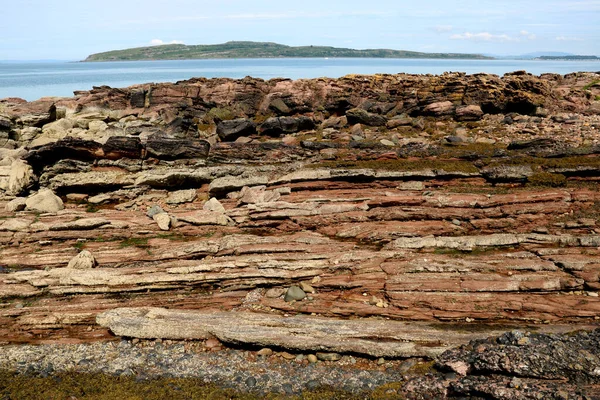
(415, 214)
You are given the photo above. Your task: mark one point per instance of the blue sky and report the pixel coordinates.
(72, 29)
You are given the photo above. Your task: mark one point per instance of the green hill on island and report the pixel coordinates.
(260, 50)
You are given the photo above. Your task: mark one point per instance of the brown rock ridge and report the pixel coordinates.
(390, 203)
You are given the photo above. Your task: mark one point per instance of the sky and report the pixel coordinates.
(73, 29)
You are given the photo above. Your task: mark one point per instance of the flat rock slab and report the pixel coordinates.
(372, 337)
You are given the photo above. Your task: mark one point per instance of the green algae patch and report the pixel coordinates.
(108, 387)
(547, 179)
(402, 165)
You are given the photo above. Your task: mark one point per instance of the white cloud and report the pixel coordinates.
(527, 35)
(483, 36)
(158, 42)
(568, 39)
(443, 28)
(489, 37)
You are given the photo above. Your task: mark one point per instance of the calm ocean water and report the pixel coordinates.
(32, 80)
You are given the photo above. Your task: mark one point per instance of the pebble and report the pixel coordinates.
(286, 355)
(251, 381)
(294, 293)
(329, 356)
(312, 358)
(266, 352)
(307, 288)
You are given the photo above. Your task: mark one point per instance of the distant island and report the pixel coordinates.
(261, 50)
(569, 58)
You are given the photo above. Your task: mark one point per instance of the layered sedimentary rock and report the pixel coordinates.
(425, 204)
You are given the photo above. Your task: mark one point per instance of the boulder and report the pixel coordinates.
(20, 179)
(468, 113)
(44, 201)
(233, 129)
(360, 116)
(277, 126)
(439, 108)
(83, 260)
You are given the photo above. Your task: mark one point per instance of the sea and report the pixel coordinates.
(32, 80)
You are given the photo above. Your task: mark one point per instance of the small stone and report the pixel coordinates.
(386, 142)
(212, 343)
(213, 205)
(266, 352)
(152, 211)
(456, 222)
(523, 341)
(163, 220)
(329, 356)
(381, 361)
(307, 288)
(312, 358)
(251, 381)
(83, 260)
(286, 355)
(294, 293)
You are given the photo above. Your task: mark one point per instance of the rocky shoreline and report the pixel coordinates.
(393, 220)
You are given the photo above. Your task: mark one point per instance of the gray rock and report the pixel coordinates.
(152, 211)
(16, 204)
(283, 125)
(233, 129)
(83, 260)
(181, 196)
(360, 116)
(386, 142)
(44, 201)
(294, 293)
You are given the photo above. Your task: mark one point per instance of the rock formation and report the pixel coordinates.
(384, 216)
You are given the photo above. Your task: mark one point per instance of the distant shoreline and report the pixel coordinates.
(250, 50)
